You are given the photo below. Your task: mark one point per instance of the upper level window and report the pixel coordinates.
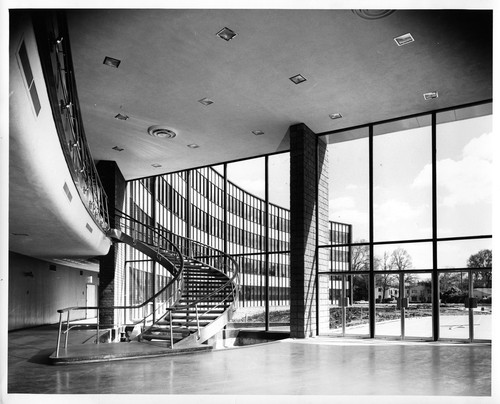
(28, 75)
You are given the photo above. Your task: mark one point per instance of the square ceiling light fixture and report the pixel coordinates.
(226, 33)
(297, 79)
(156, 165)
(404, 39)
(121, 117)
(193, 146)
(431, 95)
(205, 101)
(257, 132)
(118, 149)
(112, 62)
(336, 115)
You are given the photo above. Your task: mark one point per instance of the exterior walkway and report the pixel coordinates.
(322, 366)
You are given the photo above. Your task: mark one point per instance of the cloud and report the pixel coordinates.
(464, 181)
(342, 203)
(398, 219)
(395, 210)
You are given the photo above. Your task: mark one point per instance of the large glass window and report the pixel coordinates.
(401, 157)
(349, 183)
(464, 175)
(410, 187)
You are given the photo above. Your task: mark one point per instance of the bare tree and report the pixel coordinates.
(400, 259)
(385, 280)
(360, 257)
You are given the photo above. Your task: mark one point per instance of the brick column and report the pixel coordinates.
(323, 236)
(303, 313)
(111, 265)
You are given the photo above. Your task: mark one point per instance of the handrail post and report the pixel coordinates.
(171, 330)
(197, 320)
(59, 335)
(67, 331)
(97, 328)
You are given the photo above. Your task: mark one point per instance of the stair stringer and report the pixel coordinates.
(204, 333)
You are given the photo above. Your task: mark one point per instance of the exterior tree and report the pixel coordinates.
(360, 257)
(400, 259)
(360, 261)
(453, 287)
(385, 280)
(482, 259)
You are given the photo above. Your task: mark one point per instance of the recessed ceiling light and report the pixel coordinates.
(372, 14)
(431, 95)
(121, 117)
(193, 146)
(257, 132)
(298, 79)
(156, 165)
(226, 34)
(117, 148)
(112, 62)
(336, 115)
(404, 39)
(205, 101)
(161, 132)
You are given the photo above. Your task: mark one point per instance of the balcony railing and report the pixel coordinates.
(55, 56)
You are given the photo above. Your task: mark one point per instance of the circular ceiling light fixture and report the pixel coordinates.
(161, 132)
(372, 14)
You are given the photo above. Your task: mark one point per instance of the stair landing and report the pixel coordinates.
(88, 353)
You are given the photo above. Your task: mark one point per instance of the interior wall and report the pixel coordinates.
(37, 291)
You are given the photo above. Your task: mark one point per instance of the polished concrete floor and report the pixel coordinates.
(318, 366)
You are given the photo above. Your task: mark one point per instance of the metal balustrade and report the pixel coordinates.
(170, 251)
(55, 56)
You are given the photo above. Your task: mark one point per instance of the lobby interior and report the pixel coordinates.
(167, 93)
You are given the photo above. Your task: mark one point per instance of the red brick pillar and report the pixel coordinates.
(303, 229)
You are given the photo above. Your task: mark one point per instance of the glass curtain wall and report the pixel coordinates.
(241, 208)
(464, 186)
(417, 195)
(346, 271)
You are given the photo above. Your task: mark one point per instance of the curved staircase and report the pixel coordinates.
(196, 303)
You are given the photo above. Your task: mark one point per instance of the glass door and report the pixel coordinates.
(345, 300)
(388, 321)
(403, 305)
(454, 314)
(357, 312)
(480, 305)
(417, 306)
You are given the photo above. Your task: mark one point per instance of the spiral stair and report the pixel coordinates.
(196, 303)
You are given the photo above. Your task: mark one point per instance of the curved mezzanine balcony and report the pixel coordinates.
(56, 205)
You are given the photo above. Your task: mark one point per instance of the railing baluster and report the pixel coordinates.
(97, 327)
(67, 331)
(171, 330)
(197, 320)
(59, 335)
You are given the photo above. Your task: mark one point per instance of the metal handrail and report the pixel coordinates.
(187, 246)
(173, 289)
(61, 85)
(157, 239)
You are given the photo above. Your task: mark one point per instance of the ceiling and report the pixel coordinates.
(171, 59)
